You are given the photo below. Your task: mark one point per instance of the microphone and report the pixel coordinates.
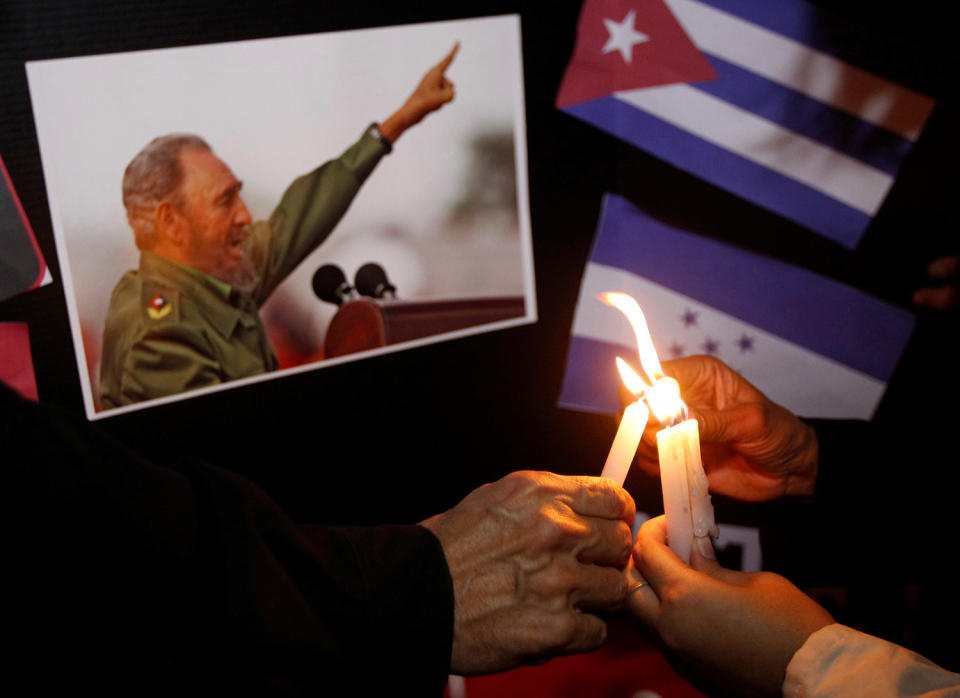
(371, 280)
(330, 284)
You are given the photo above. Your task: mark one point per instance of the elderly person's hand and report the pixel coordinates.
(945, 296)
(434, 90)
(732, 633)
(752, 448)
(530, 555)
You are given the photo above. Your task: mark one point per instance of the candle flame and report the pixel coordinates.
(661, 392)
(648, 355)
(635, 384)
(665, 403)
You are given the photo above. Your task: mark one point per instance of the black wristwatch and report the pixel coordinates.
(374, 130)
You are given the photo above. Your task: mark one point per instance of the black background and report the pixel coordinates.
(399, 437)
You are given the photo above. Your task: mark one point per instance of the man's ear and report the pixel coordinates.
(169, 223)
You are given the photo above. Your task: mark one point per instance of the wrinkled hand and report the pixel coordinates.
(434, 90)
(752, 448)
(947, 295)
(529, 555)
(731, 632)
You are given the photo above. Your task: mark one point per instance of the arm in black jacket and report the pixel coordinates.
(134, 578)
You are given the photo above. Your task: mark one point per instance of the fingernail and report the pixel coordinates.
(705, 547)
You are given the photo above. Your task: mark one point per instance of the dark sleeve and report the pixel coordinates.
(874, 496)
(847, 451)
(137, 579)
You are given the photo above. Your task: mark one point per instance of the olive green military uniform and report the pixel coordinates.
(171, 328)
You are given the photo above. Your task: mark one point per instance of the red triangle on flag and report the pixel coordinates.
(627, 44)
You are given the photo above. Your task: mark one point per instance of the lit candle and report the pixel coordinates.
(673, 447)
(686, 497)
(630, 430)
(686, 500)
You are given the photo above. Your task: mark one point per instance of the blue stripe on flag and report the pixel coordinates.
(588, 389)
(815, 312)
(783, 195)
(833, 128)
(807, 24)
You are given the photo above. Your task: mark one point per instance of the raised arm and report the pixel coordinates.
(434, 90)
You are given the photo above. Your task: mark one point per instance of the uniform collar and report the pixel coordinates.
(222, 305)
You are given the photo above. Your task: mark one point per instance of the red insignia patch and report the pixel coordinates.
(158, 307)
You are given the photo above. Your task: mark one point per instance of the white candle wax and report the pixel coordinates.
(686, 500)
(625, 442)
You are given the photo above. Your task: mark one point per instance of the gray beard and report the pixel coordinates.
(244, 277)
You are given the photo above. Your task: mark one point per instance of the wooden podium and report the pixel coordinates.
(368, 323)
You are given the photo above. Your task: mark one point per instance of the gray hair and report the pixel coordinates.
(155, 175)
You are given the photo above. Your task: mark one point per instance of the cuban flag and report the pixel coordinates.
(754, 97)
(816, 346)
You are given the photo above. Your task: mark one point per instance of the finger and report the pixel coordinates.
(943, 298)
(539, 635)
(598, 587)
(642, 601)
(655, 562)
(695, 374)
(448, 59)
(703, 558)
(606, 542)
(732, 424)
(684, 369)
(589, 633)
(599, 497)
(945, 267)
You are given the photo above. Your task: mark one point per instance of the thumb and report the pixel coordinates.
(945, 267)
(703, 558)
(729, 425)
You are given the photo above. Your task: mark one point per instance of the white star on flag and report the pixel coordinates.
(623, 36)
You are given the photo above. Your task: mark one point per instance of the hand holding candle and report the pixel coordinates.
(756, 449)
(530, 556)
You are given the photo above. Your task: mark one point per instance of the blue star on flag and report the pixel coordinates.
(689, 318)
(745, 343)
(710, 346)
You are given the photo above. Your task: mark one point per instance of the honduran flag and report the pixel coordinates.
(754, 96)
(816, 346)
